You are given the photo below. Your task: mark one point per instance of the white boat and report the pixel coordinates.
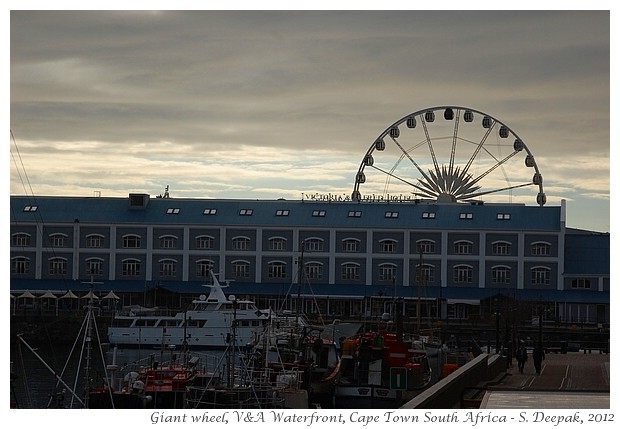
(208, 324)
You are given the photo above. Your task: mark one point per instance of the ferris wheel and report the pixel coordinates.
(449, 154)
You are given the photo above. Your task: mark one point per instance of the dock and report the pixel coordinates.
(573, 380)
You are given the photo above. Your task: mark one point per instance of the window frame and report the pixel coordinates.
(466, 245)
(463, 274)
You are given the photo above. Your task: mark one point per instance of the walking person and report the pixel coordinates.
(539, 355)
(521, 356)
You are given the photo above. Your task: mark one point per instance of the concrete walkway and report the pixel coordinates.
(572, 380)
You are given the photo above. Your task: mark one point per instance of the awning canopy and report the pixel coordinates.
(111, 295)
(26, 294)
(69, 294)
(48, 294)
(90, 295)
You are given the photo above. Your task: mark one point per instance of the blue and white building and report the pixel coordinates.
(353, 252)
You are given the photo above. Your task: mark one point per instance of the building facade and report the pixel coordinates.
(451, 255)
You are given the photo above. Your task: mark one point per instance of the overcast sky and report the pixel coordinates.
(270, 104)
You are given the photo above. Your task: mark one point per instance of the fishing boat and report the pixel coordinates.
(302, 348)
(241, 379)
(380, 370)
(206, 325)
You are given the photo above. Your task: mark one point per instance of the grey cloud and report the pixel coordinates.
(208, 81)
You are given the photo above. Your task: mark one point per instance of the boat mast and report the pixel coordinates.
(300, 279)
(233, 343)
(88, 339)
(58, 377)
(420, 286)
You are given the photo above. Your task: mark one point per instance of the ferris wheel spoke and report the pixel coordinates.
(478, 194)
(480, 145)
(398, 178)
(410, 158)
(499, 163)
(430, 145)
(454, 139)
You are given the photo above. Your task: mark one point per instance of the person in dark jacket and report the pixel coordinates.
(521, 357)
(539, 355)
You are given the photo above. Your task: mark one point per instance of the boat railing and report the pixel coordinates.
(138, 311)
(199, 362)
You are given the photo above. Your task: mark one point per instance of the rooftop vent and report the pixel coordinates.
(138, 201)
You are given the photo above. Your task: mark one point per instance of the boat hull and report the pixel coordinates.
(369, 396)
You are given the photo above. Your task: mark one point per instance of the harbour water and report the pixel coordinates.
(35, 386)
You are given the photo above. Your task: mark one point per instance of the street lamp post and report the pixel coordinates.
(540, 323)
(497, 314)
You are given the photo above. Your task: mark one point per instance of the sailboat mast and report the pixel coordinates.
(89, 327)
(300, 280)
(420, 286)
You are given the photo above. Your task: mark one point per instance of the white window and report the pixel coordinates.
(173, 210)
(209, 211)
(241, 243)
(501, 248)
(500, 274)
(318, 213)
(94, 266)
(20, 239)
(503, 216)
(351, 245)
(463, 247)
(205, 242)
(463, 273)
(313, 244)
(246, 212)
(20, 265)
(131, 241)
(30, 208)
(350, 271)
(580, 284)
(276, 270)
(58, 240)
(277, 243)
(282, 212)
(167, 242)
(387, 272)
(541, 248)
(314, 270)
(241, 269)
(203, 267)
(392, 215)
(541, 276)
(428, 215)
(425, 246)
(167, 268)
(354, 213)
(428, 274)
(57, 266)
(94, 240)
(130, 267)
(387, 246)
(466, 215)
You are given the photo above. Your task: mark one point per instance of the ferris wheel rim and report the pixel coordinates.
(541, 197)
